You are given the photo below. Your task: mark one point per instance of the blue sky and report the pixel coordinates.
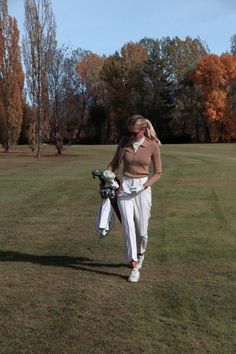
(104, 26)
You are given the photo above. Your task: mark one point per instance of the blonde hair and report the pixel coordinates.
(142, 122)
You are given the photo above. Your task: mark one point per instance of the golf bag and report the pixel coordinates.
(109, 183)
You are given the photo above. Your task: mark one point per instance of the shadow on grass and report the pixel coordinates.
(77, 263)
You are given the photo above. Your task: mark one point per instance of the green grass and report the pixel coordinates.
(63, 290)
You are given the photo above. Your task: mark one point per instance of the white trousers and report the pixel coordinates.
(135, 208)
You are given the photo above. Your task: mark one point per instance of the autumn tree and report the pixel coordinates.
(133, 59)
(215, 77)
(94, 94)
(123, 74)
(229, 62)
(11, 79)
(39, 44)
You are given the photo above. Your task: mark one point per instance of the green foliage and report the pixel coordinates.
(174, 105)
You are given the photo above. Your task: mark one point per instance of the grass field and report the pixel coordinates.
(63, 290)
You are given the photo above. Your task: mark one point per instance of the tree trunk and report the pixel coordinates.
(59, 143)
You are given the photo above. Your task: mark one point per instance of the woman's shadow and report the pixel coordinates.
(76, 263)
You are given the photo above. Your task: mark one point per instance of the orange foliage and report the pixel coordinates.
(121, 71)
(11, 80)
(89, 73)
(133, 56)
(215, 77)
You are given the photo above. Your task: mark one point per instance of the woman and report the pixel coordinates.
(134, 197)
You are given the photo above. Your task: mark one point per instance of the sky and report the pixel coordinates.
(104, 26)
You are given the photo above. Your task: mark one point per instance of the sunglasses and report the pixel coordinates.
(132, 130)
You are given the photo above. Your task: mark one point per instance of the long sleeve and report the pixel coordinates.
(114, 164)
(117, 158)
(157, 166)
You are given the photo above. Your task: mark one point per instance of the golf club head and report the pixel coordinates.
(96, 173)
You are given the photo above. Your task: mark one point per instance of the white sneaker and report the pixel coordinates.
(134, 276)
(140, 261)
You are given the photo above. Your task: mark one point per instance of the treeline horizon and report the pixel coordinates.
(65, 96)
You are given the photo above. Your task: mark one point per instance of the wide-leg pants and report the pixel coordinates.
(135, 211)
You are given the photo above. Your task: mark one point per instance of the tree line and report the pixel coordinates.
(51, 94)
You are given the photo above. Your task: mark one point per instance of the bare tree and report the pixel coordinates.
(11, 79)
(39, 45)
(57, 94)
(76, 98)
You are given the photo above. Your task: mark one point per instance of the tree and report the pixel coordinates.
(172, 100)
(111, 75)
(215, 78)
(75, 98)
(93, 92)
(181, 56)
(39, 46)
(188, 121)
(158, 99)
(57, 94)
(27, 114)
(11, 79)
(123, 75)
(233, 44)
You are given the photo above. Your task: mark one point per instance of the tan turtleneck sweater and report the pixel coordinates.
(136, 164)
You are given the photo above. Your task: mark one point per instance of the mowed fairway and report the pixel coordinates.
(63, 290)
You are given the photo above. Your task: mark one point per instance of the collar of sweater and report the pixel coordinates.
(144, 143)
